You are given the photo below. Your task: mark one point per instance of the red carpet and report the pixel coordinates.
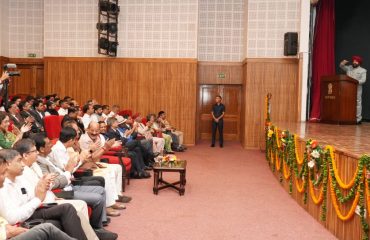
(230, 194)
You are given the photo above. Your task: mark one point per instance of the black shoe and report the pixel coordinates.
(170, 152)
(221, 145)
(212, 145)
(124, 199)
(148, 168)
(104, 234)
(184, 147)
(106, 223)
(144, 174)
(359, 122)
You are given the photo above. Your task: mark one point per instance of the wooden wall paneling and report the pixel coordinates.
(208, 72)
(142, 85)
(278, 76)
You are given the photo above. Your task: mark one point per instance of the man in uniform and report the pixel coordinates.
(355, 71)
(218, 112)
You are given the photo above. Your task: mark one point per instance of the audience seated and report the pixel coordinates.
(64, 105)
(32, 163)
(176, 135)
(88, 111)
(32, 174)
(19, 206)
(7, 138)
(143, 130)
(38, 113)
(156, 130)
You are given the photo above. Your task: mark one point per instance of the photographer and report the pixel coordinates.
(4, 76)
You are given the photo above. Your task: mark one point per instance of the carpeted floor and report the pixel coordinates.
(230, 194)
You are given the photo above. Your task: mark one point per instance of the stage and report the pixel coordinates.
(349, 143)
(352, 140)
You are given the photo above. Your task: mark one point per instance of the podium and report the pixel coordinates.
(338, 99)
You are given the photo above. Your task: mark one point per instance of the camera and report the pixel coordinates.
(13, 73)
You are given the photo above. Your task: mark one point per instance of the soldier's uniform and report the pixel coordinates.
(359, 74)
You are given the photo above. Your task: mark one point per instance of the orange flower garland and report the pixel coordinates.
(286, 171)
(299, 160)
(277, 162)
(336, 174)
(300, 188)
(316, 200)
(336, 207)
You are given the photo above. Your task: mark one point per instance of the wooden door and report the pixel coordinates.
(231, 98)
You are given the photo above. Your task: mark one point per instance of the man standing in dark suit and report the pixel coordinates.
(218, 112)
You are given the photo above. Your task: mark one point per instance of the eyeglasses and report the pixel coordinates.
(32, 151)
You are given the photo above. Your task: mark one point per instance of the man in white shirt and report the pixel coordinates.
(63, 110)
(60, 157)
(18, 203)
(45, 231)
(32, 173)
(88, 110)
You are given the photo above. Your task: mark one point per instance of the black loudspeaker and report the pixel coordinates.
(290, 43)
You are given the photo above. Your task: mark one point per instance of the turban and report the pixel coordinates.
(357, 58)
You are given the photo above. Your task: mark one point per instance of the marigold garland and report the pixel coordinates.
(300, 189)
(298, 159)
(286, 171)
(339, 180)
(316, 200)
(336, 207)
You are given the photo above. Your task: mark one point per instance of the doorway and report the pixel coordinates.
(231, 98)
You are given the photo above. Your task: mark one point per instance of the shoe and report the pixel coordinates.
(104, 234)
(106, 223)
(221, 145)
(144, 174)
(170, 152)
(148, 168)
(124, 199)
(359, 122)
(212, 145)
(112, 213)
(118, 206)
(184, 147)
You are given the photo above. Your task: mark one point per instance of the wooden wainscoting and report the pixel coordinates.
(142, 85)
(208, 72)
(261, 76)
(31, 80)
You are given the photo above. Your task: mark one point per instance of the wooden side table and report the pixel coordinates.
(177, 166)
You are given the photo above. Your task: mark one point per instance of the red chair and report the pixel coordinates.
(144, 121)
(125, 112)
(53, 126)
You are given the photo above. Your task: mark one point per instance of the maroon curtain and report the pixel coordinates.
(323, 61)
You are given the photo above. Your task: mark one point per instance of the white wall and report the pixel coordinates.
(268, 20)
(4, 27)
(151, 28)
(147, 28)
(220, 32)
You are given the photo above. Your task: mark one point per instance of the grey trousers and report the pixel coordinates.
(43, 231)
(95, 197)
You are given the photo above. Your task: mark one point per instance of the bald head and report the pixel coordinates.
(93, 130)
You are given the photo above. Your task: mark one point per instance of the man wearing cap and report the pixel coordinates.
(355, 71)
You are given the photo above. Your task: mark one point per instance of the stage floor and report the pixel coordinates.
(353, 140)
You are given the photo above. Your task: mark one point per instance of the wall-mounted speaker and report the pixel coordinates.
(290, 44)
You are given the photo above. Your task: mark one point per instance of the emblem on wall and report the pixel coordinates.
(330, 88)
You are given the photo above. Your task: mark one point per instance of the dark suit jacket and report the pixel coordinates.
(114, 134)
(36, 127)
(18, 120)
(37, 117)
